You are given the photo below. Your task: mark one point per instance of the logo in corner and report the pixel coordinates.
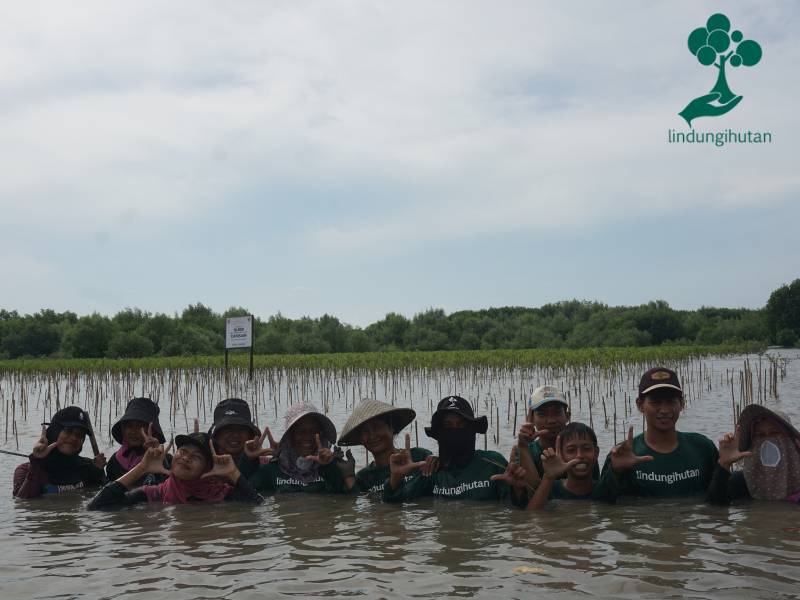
(715, 44)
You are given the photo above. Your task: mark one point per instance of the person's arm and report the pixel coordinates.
(724, 486)
(542, 494)
(244, 492)
(116, 495)
(265, 477)
(527, 434)
(554, 467)
(29, 480)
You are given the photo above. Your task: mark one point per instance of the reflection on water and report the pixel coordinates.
(313, 546)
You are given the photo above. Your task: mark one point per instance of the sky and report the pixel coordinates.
(359, 158)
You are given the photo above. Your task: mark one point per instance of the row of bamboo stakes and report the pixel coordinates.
(608, 393)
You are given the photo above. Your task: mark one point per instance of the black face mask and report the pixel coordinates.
(456, 447)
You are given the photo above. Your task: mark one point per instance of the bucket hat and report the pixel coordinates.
(368, 409)
(302, 409)
(459, 406)
(139, 409)
(233, 411)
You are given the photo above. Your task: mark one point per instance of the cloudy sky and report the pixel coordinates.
(357, 158)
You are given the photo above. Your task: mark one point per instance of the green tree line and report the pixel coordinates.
(198, 330)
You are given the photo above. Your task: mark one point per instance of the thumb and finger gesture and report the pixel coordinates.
(42, 447)
(553, 461)
(223, 465)
(729, 449)
(514, 475)
(400, 463)
(623, 458)
(153, 460)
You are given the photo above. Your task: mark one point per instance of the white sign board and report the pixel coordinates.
(238, 332)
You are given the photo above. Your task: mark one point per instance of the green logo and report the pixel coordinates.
(715, 44)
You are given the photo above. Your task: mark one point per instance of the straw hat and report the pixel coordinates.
(369, 409)
(302, 409)
(754, 412)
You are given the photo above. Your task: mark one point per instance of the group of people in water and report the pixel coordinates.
(553, 458)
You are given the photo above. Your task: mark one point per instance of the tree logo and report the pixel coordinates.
(715, 44)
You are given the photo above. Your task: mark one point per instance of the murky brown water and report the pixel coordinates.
(305, 546)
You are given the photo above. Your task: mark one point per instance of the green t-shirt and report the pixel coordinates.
(536, 452)
(370, 479)
(686, 471)
(270, 478)
(560, 492)
(471, 482)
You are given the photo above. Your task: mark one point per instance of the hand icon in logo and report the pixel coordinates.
(704, 106)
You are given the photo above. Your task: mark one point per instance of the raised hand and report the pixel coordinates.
(527, 433)
(150, 441)
(224, 466)
(196, 425)
(153, 460)
(42, 448)
(514, 475)
(431, 466)
(324, 455)
(553, 461)
(346, 462)
(400, 463)
(99, 461)
(729, 450)
(254, 448)
(623, 457)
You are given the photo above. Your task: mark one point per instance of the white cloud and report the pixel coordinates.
(496, 118)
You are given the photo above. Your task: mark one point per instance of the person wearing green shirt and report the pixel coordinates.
(304, 459)
(373, 425)
(464, 473)
(574, 456)
(662, 462)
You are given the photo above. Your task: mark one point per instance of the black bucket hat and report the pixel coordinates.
(459, 406)
(233, 411)
(140, 409)
(198, 439)
(70, 416)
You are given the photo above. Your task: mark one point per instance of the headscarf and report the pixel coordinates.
(296, 466)
(129, 456)
(178, 491)
(773, 471)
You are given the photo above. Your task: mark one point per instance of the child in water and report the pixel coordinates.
(574, 456)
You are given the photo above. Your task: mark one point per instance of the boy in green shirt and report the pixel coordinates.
(464, 473)
(661, 462)
(574, 456)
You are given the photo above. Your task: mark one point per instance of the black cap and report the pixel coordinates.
(71, 416)
(140, 409)
(459, 406)
(198, 439)
(233, 411)
(659, 378)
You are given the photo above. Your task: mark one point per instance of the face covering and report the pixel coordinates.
(456, 447)
(773, 471)
(298, 467)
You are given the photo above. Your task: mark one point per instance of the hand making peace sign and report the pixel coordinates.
(254, 448)
(43, 447)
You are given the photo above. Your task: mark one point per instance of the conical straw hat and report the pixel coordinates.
(369, 409)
